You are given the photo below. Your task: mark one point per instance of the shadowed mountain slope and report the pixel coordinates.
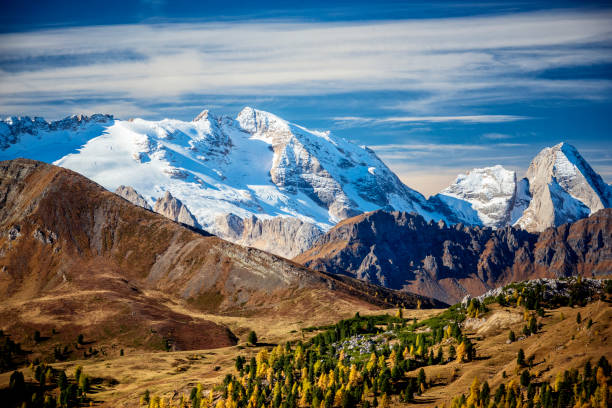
(403, 251)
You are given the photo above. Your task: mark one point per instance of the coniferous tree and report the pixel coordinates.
(452, 353)
(525, 378)
(252, 338)
(520, 358)
(533, 325)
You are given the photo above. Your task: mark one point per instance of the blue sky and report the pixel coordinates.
(436, 88)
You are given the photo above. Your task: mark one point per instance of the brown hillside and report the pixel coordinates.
(77, 257)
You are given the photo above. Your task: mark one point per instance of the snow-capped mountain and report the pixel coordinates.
(562, 188)
(559, 187)
(482, 196)
(262, 181)
(257, 165)
(48, 141)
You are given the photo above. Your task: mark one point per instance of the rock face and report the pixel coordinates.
(62, 233)
(132, 196)
(403, 251)
(255, 165)
(343, 178)
(283, 236)
(482, 196)
(174, 209)
(563, 188)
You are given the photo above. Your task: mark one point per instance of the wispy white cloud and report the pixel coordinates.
(445, 59)
(427, 146)
(496, 136)
(431, 119)
(512, 144)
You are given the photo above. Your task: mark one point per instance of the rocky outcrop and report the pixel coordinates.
(283, 236)
(403, 251)
(132, 196)
(549, 288)
(562, 188)
(174, 209)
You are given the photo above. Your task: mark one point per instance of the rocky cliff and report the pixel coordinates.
(283, 236)
(174, 209)
(132, 196)
(563, 188)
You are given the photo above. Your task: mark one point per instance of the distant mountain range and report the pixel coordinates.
(559, 187)
(261, 181)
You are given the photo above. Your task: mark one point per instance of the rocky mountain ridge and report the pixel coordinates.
(563, 188)
(60, 231)
(482, 196)
(132, 196)
(404, 251)
(174, 209)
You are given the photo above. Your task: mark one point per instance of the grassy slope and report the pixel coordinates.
(561, 344)
(164, 373)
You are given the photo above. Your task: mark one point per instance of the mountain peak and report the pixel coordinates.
(174, 209)
(559, 146)
(201, 115)
(132, 196)
(257, 121)
(565, 146)
(563, 188)
(482, 196)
